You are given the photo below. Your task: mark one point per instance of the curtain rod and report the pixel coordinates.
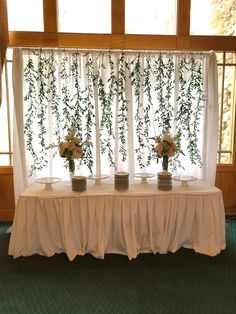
(118, 50)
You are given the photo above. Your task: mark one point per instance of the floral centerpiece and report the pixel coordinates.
(165, 147)
(71, 148)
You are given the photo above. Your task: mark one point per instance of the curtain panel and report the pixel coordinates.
(118, 101)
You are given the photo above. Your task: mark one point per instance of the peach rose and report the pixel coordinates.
(77, 153)
(62, 149)
(71, 146)
(76, 140)
(157, 139)
(168, 138)
(159, 148)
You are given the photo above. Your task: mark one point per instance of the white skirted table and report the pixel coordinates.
(102, 220)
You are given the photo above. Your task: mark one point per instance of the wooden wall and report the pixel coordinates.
(7, 201)
(226, 181)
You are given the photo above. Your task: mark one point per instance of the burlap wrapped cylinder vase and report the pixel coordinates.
(164, 180)
(79, 183)
(121, 181)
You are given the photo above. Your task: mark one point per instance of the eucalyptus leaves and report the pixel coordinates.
(116, 100)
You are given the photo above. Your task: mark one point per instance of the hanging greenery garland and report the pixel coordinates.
(136, 81)
(30, 74)
(188, 115)
(77, 96)
(53, 97)
(106, 101)
(122, 106)
(64, 84)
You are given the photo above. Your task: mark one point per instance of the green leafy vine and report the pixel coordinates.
(88, 110)
(66, 86)
(106, 102)
(188, 116)
(123, 106)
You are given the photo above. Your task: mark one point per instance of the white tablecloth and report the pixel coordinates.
(102, 220)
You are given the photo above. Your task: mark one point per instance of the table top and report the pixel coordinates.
(63, 189)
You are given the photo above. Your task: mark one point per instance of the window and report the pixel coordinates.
(213, 17)
(30, 17)
(207, 17)
(6, 114)
(150, 17)
(227, 103)
(79, 16)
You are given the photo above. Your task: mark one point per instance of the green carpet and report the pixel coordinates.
(183, 282)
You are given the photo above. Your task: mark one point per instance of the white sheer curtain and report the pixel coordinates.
(208, 122)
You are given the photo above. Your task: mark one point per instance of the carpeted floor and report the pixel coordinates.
(183, 282)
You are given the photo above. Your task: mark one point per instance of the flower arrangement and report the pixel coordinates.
(71, 148)
(166, 146)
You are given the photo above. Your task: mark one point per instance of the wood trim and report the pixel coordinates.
(118, 16)
(3, 32)
(225, 168)
(119, 41)
(183, 17)
(217, 43)
(26, 39)
(230, 211)
(6, 170)
(7, 215)
(84, 41)
(50, 16)
(7, 201)
(150, 42)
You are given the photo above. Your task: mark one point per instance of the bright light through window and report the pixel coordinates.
(227, 103)
(6, 114)
(80, 16)
(25, 15)
(213, 17)
(150, 17)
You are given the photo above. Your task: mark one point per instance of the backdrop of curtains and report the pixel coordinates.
(118, 101)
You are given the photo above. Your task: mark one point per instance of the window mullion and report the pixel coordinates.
(183, 17)
(50, 16)
(8, 113)
(118, 16)
(221, 107)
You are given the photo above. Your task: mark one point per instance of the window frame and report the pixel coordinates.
(224, 64)
(7, 90)
(119, 40)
